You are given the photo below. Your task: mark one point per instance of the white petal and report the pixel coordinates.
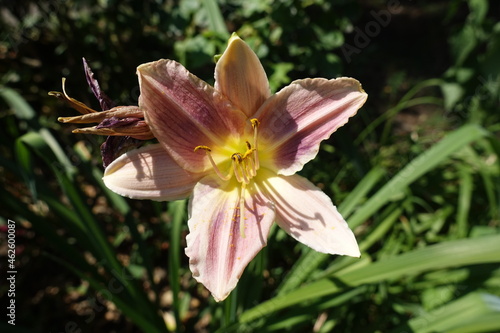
(217, 252)
(309, 216)
(239, 75)
(184, 112)
(295, 120)
(149, 173)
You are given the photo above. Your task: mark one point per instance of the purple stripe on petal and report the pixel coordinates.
(217, 252)
(296, 119)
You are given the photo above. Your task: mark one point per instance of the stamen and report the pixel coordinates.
(243, 166)
(242, 210)
(206, 148)
(236, 157)
(255, 124)
(250, 167)
(239, 167)
(244, 172)
(247, 153)
(216, 169)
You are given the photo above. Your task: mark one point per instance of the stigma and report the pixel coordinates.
(243, 167)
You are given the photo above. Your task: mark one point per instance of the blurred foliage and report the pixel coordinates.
(416, 173)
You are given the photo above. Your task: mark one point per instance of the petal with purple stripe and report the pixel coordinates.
(184, 112)
(295, 120)
(217, 252)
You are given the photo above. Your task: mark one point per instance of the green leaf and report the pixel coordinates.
(479, 10)
(464, 201)
(176, 209)
(449, 254)
(215, 19)
(91, 233)
(20, 107)
(476, 312)
(361, 191)
(416, 168)
(452, 93)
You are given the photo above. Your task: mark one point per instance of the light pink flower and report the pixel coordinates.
(234, 149)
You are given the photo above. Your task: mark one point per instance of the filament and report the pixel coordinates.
(216, 169)
(242, 210)
(255, 124)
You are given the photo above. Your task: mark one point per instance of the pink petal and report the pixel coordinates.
(295, 120)
(217, 252)
(240, 76)
(309, 216)
(149, 173)
(184, 112)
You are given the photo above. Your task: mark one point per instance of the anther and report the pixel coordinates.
(206, 148)
(237, 156)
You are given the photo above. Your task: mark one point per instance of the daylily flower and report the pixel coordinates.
(124, 125)
(112, 121)
(234, 149)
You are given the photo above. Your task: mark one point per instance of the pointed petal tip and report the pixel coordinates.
(297, 118)
(220, 298)
(234, 36)
(349, 246)
(308, 215)
(352, 82)
(217, 253)
(234, 39)
(218, 295)
(146, 67)
(352, 252)
(240, 76)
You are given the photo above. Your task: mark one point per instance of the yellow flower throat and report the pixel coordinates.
(243, 166)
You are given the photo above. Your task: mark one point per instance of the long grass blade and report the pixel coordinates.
(215, 18)
(416, 168)
(449, 254)
(466, 314)
(177, 210)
